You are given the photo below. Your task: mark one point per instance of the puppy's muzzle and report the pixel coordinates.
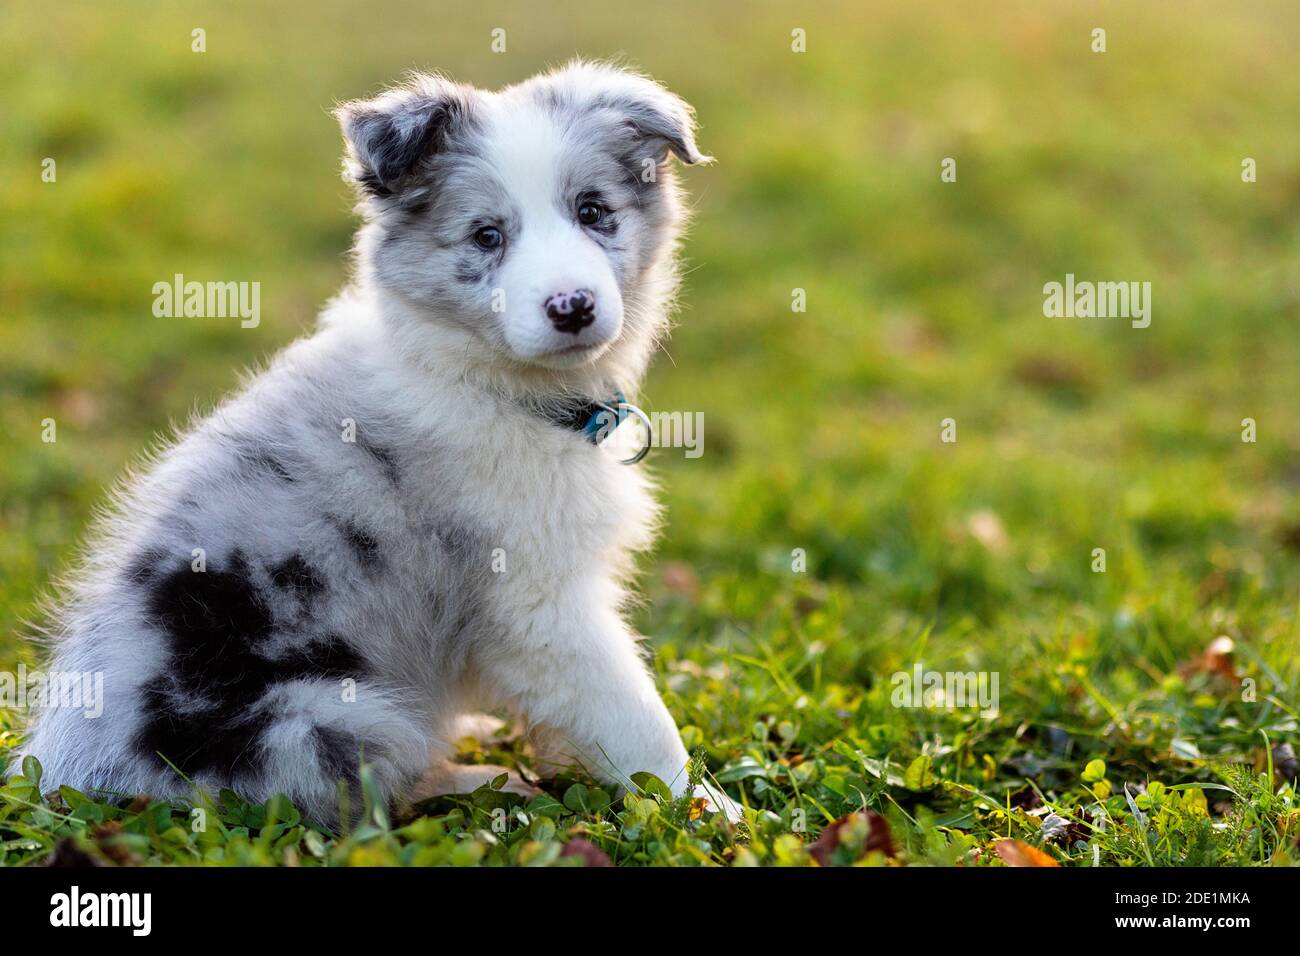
(572, 311)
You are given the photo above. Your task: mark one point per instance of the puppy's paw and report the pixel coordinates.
(466, 778)
(485, 728)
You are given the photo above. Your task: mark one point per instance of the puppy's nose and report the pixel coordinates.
(572, 311)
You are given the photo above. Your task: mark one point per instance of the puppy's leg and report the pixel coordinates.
(581, 678)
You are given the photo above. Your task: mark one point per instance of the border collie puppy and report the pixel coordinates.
(407, 517)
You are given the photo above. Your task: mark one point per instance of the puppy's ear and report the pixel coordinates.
(388, 136)
(663, 121)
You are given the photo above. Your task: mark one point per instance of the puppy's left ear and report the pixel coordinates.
(662, 120)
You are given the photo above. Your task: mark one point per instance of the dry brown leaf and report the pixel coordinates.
(107, 837)
(1015, 853)
(878, 838)
(590, 854)
(139, 803)
(1217, 658)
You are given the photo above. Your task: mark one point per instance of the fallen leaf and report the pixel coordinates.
(1215, 659)
(107, 837)
(138, 804)
(1015, 853)
(588, 852)
(878, 839)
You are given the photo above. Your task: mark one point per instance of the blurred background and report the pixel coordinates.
(924, 301)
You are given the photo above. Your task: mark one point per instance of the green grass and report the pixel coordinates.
(822, 427)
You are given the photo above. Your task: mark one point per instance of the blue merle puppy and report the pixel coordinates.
(404, 519)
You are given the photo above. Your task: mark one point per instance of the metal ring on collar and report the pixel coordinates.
(644, 419)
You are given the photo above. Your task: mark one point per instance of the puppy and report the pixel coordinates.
(409, 516)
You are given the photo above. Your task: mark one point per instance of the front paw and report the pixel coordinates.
(445, 778)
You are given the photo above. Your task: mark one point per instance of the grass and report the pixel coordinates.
(1126, 734)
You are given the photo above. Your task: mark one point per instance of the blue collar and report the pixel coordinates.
(594, 420)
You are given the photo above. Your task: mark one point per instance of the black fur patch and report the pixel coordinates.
(294, 573)
(385, 459)
(142, 568)
(259, 459)
(202, 712)
(273, 465)
(216, 739)
(364, 545)
(205, 610)
(472, 269)
(371, 183)
(340, 753)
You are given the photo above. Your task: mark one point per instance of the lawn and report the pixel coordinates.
(1099, 535)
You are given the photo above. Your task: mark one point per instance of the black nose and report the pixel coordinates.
(572, 311)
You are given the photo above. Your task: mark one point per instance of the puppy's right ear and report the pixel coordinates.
(389, 135)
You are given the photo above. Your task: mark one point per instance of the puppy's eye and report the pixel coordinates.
(590, 213)
(489, 237)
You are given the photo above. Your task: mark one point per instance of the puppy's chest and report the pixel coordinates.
(577, 508)
(553, 505)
